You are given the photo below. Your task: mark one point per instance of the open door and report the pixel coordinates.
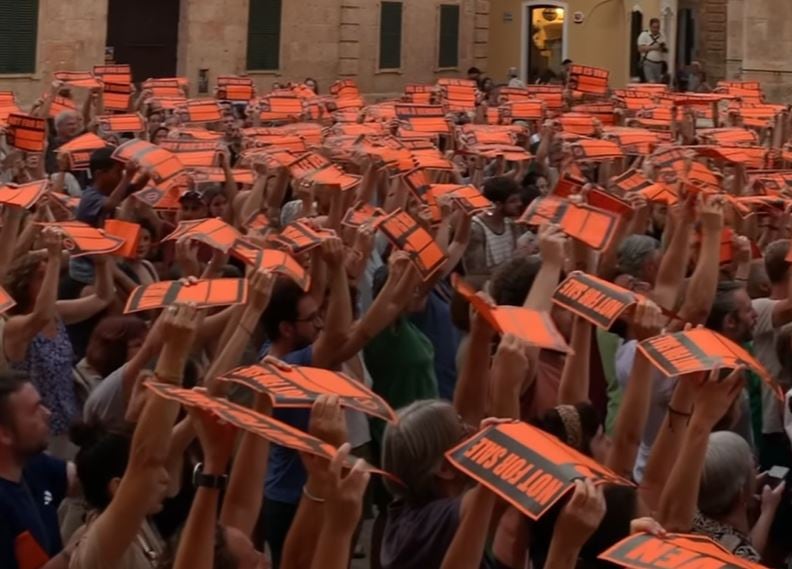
(545, 45)
(636, 27)
(144, 34)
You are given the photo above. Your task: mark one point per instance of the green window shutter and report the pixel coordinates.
(264, 28)
(18, 33)
(449, 36)
(390, 35)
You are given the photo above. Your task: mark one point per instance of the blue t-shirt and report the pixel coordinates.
(285, 473)
(91, 207)
(435, 322)
(32, 506)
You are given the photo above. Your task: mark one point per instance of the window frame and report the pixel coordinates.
(378, 62)
(34, 36)
(438, 50)
(261, 70)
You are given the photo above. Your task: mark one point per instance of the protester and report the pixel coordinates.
(492, 326)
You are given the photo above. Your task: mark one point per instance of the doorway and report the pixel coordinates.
(544, 49)
(636, 27)
(143, 34)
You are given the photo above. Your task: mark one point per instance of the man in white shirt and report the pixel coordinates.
(653, 49)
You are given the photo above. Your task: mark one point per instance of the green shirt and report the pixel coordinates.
(401, 363)
(607, 344)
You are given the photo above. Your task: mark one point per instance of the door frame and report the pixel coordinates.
(527, 5)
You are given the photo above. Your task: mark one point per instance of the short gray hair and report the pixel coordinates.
(63, 115)
(634, 252)
(728, 470)
(414, 448)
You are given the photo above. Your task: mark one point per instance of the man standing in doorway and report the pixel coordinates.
(653, 49)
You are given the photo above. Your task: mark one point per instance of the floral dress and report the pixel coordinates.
(48, 362)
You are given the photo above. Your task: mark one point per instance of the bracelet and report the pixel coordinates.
(311, 497)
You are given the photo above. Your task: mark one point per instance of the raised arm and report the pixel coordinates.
(115, 529)
(551, 249)
(674, 264)
(229, 186)
(472, 388)
(197, 540)
(343, 508)
(576, 523)
(679, 500)
(574, 387)
(634, 408)
(80, 309)
(12, 221)
(20, 329)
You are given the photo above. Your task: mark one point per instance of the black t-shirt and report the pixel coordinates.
(31, 506)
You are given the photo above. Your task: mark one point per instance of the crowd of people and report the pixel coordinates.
(98, 472)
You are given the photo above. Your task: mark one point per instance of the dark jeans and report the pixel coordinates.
(277, 518)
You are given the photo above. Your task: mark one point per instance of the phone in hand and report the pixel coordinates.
(776, 475)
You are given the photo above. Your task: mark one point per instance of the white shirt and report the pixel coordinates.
(646, 38)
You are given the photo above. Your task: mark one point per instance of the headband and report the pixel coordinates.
(571, 420)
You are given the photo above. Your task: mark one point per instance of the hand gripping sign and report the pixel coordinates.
(300, 386)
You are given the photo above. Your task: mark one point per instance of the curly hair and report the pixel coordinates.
(18, 279)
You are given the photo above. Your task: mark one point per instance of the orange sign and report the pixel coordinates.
(592, 150)
(592, 226)
(250, 421)
(315, 168)
(699, 350)
(202, 111)
(118, 74)
(82, 79)
(126, 230)
(299, 237)
(588, 80)
(80, 149)
(204, 293)
(602, 199)
(60, 104)
(23, 195)
(300, 386)
(214, 232)
(408, 235)
(533, 327)
(116, 96)
(160, 163)
(132, 122)
(26, 132)
(273, 260)
(362, 213)
(645, 551)
(593, 299)
(468, 197)
(525, 466)
(82, 239)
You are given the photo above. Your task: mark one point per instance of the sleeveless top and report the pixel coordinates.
(48, 362)
(499, 246)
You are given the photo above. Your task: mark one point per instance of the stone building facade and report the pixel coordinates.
(200, 39)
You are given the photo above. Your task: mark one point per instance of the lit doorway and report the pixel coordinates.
(544, 47)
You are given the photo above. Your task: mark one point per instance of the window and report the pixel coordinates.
(264, 23)
(390, 35)
(18, 32)
(449, 36)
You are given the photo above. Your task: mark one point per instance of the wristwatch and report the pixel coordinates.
(201, 480)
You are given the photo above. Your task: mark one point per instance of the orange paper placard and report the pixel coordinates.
(645, 551)
(236, 93)
(589, 80)
(280, 108)
(467, 197)
(299, 237)
(632, 140)
(119, 74)
(522, 110)
(60, 104)
(160, 163)
(80, 149)
(6, 301)
(602, 199)
(701, 350)
(82, 79)
(250, 421)
(204, 293)
(214, 232)
(407, 234)
(315, 168)
(591, 150)
(526, 466)
(533, 327)
(300, 386)
(116, 96)
(126, 230)
(362, 213)
(593, 299)
(23, 195)
(273, 260)
(202, 111)
(592, 226)
(26, 132)
(132, 122)
(82, 239)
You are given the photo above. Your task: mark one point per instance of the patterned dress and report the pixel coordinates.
(48, 362)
